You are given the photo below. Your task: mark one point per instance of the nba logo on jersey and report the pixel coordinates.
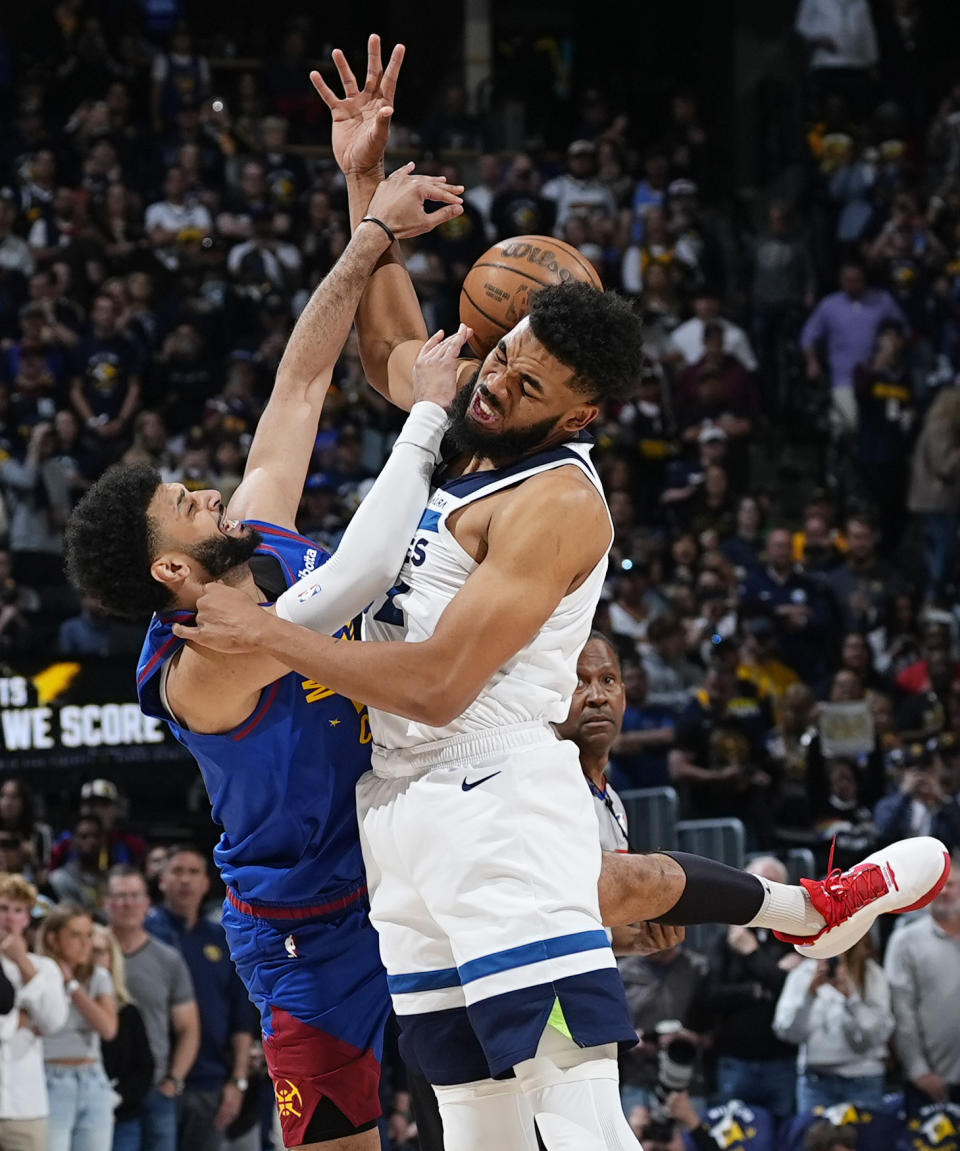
(308, 592)
(290, 943)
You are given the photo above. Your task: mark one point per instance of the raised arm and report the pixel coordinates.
(389, 312)
(280, 455)
(500, 608)
(373, 547)
(211, 691)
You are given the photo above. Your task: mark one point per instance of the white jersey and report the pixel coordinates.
(536, 685)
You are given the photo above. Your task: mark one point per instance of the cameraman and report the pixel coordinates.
(683, 1116)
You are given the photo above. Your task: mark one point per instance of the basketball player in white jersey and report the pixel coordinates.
(480, 838)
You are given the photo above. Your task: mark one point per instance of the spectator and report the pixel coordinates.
(664, 990)
(93, 632)
(214, 1091)
(82, 878)
(176, 224)
(100, 797)
(579, 191)
(935, 647)
(842, 40)
(18, 814)
(782, 284)
(922, 805)
(41, 1009)
(159, 981)
(843, 825)
(886, 428)
(687, 341)
(59, 227)
(856, 655)
(743, 546)
(40, 503)
(670, 675)
(924, 979)
(81, 1098)
(482, 194)
(844, 326)
(105, 389)
(638, 757)
(685, 477)
(285, 172)
(519, 208)
(934, 494)
(800, 611)
(864, 584)
(635, 602)
(748, 968)
(179, 78)
(759, 662)
(659, 247)
(788, 746)
(264, 259)
(451, 126)
(126, 1058)
(720, 760)
(15, 255)
(839, 1013)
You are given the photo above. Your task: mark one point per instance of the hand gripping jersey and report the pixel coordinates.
(282, 783)
(537, 684)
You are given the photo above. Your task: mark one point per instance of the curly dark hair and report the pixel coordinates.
(597, 334)
(110, 543)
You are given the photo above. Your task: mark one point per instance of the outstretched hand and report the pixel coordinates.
(227, 620)
(435, 368)
(361, 116)
(400, 202)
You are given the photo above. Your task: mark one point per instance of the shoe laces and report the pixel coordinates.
(848, 891)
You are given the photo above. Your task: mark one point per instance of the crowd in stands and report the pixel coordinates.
(785, 492)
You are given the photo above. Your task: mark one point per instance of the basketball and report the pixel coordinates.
(496, 291)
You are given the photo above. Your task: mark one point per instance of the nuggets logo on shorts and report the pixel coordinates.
(213, 953)
(288, 1099)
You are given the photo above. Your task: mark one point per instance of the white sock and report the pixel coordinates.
(788, 909)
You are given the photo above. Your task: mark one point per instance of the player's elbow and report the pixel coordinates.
(439, 703)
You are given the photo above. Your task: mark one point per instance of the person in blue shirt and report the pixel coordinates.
(639, 755)
(214, 1090)
(800, 610)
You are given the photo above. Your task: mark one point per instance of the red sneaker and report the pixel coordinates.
(902, 877)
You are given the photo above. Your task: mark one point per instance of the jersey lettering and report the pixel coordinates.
(418, 552)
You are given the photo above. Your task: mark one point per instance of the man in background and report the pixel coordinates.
(215, 1088)
(159, 981)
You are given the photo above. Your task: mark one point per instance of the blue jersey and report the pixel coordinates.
(281, 784)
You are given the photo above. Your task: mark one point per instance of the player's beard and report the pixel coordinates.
(499, 446)
(221, 553)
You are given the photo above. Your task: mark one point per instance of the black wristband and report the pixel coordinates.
(374, 220)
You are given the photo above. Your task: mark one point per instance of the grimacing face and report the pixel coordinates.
(522, 397)
(183, 520)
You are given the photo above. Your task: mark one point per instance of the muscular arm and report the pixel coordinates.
(212, 691)
(538, 550)
(280, 455)
(389, 311)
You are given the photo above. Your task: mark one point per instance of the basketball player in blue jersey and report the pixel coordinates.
(480, 840)
(280, 754)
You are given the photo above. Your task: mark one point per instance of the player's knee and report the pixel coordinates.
(490, 1113)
